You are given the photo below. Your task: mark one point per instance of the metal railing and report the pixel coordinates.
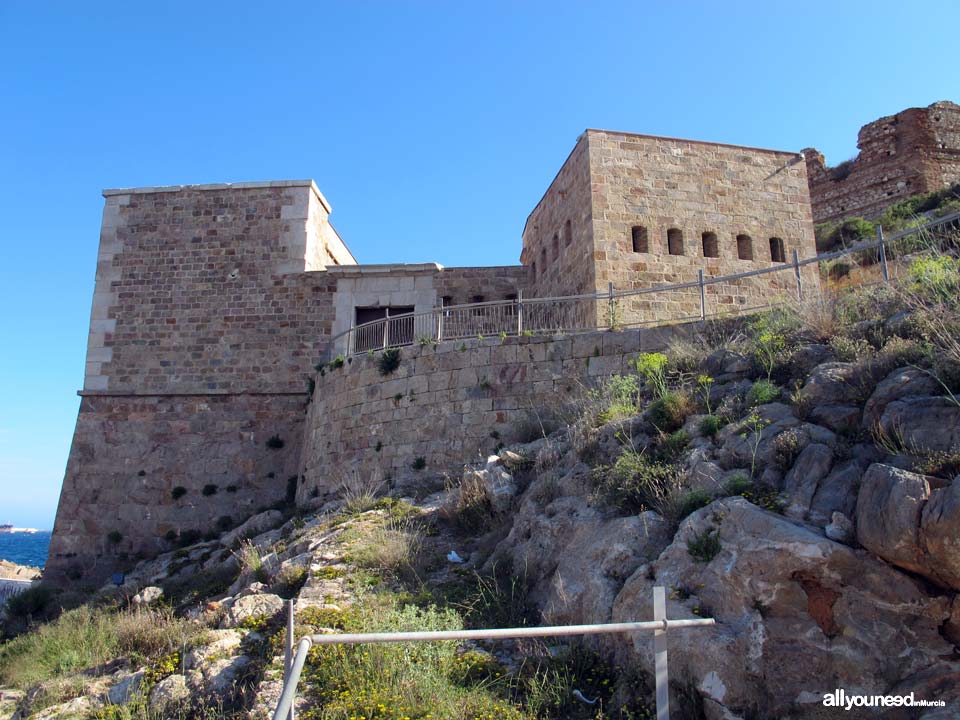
(591, 311)
(296, 654)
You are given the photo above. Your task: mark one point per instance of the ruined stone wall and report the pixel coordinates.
(452, 402)
(204, 331)
(558, 235)
(915, 151)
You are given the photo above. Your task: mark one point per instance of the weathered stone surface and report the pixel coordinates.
(253, 526)
(837, 492)
(13, 571)
(798, 616)
(928, 422)
(223, 642)
(902, 382)
(906, 523)
(801, 482)
(840, 529)
(252, 606)
(148, 595)
(839, 418)
(831, 383)
(125, 689)
(219, 677)
(889, 507)
(169, 692)
(940, 533)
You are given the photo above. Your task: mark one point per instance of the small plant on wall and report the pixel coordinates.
(209, 490)
(178, 492)
(275, 442)
(419, 463)
(388, 361)
(114, 536)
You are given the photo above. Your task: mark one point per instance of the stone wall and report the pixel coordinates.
(558, 234)
(130, 453)
(915, 151)
(628, 195)
(717, 203)
(452, 402)
(211, 308)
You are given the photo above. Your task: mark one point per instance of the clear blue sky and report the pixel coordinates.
(432, 127)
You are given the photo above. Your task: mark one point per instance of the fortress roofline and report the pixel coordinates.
(598, 131)
(752, 148)
(222, 186)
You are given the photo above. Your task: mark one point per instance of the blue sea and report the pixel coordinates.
(25, 548)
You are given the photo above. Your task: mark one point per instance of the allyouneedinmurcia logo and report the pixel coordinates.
(840, 699)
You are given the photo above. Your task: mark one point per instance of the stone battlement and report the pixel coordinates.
(915, 151)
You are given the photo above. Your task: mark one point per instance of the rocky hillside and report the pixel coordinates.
(794, 475)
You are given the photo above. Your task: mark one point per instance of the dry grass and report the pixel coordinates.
(359, 489)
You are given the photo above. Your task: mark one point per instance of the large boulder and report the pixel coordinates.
(573, 555)
(254, 526)
(831, 383)
(923, 423)
(169, 693)
(837, 492)
(252, 607)
(804, 478)
(798, 616)
(902, 382)
(901, 518)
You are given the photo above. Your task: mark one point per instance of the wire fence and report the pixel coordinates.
(703, 298)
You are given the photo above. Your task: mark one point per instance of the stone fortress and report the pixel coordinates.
(915, 151)
(214, 303)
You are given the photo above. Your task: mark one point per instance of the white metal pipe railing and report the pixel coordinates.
(659, 625)
(573, 313)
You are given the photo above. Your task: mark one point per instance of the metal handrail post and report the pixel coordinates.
(796, 272)
(519, 312)
(660, 654)
(611, 310)
(883, 254)
(288, 655)
(703, 296)
(285, 705)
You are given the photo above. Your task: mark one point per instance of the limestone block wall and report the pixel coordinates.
(915, 151)
(210, 309)
(130, 454)
(558, 235)
(664, 209)
(450, 403)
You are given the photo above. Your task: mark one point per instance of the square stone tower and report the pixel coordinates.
(639, 211)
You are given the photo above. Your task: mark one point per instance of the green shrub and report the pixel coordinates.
(831, 236)
(710, 425)
(786, 447)
(738, 484)
(411, 680)
(275, 442)
(388, 361)
(618, 396)
(762, 392)
(634, 484)
(336, 363)
(419, 463)
(691, 502)
(705, 545)
(850, 349)
(936, 279)
(669, 412)
(31, 602)
(652, 367)
(671, 446)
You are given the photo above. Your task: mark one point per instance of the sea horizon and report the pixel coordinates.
(25, 546)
